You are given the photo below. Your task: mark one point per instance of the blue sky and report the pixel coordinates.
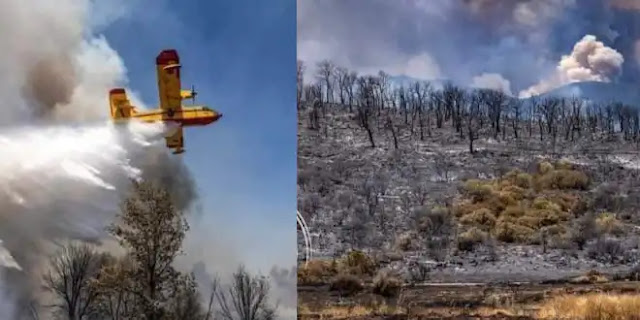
(240, 55)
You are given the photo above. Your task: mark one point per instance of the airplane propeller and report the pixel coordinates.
(193, 94)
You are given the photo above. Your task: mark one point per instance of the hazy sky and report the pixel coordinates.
(467, 41)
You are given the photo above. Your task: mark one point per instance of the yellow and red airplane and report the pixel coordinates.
(171, 108)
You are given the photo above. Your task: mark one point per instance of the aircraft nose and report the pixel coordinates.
(217, 116)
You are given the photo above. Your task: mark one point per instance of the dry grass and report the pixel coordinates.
(591, 307)
(386, 285)
(351, 311)
(608, 223)
(322, 271)
(558, 305)
(316, 272)
(357, 263)
(515, 207)
(592, 276)
(346, 284)
(468, 240)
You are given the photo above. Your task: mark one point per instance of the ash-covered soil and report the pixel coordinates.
(356, 196)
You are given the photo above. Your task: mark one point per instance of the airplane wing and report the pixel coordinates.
(168, 73)
(176, 141)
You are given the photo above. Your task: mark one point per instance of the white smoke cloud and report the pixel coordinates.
(63, 183)
(58, 181)
(52, 63)
(590, 60)
(492, 81)
(421, 66)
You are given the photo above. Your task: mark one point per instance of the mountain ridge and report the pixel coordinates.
(598, 92)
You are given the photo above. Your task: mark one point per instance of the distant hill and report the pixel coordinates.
(599, 92)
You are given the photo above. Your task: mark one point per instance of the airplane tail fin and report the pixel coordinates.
(119, 103)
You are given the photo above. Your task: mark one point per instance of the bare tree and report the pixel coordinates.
(69, 279)
(325, 72)
(246, 298)
(472, 115)
(314, 114)
(350, 86)
(403, 102)
(516, 113)
(443, 165)
(419, 191)
(383, 89)
(437, 99)
(495, 101)
(116, 299)
(342, 79)
(366, 106)
(454, 100)
(420, 93)
(185, 304)
(574, 125)
(532, 106)
(393, 129)
(356, 228)
(300, 82)
(212, 296)
(550, 109)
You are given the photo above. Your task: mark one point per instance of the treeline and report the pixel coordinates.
(416, 108)
(143, 283)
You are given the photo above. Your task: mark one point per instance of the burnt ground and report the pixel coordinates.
(338, 171)
(452, 301)
(339, 175)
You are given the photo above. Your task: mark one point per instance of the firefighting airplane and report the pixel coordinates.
(171, 108)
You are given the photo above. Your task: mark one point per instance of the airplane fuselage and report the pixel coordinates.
(185, 116)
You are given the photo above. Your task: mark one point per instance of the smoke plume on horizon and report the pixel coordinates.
(590, 60)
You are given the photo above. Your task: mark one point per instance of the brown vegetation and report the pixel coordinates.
(506, 304)
(353, 264)
(518, 205)
(591, 306)
(386, 285)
